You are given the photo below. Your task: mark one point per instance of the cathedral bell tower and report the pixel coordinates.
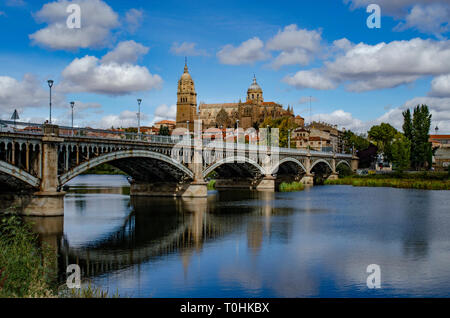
(186, 100)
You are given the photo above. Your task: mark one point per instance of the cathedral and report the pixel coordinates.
(250, 113)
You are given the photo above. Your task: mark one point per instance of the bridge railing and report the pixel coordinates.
(92, 133)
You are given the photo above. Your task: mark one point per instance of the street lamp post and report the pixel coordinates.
(436, 129)
(72, 105)
(289, 138)
(237, 131)
(188, 131)
(139, 117)
(50, 85)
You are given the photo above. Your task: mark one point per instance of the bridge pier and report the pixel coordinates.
(267, 184)
(333, 176)
(48, 201)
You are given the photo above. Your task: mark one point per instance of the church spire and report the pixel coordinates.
(185, 65)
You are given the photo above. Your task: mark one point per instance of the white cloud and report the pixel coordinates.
(440, 86)
(133, 19)
(310, 79)
(164, 112)
(293, 38)
(89, 75)
(186, 49)
(125, 119)
(342, 119)
(427, 16)
(297, 46)
(365, 67)
(112, 75)
(97, 21)
(28, 93)
(432, 19)
(248, 52)
(125, 52)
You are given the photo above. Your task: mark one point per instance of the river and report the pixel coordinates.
(314, 243)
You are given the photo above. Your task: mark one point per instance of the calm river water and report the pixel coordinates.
(314, 243)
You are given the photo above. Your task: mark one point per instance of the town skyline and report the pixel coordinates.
(297, 56)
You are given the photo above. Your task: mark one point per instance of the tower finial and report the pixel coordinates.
(185, 64)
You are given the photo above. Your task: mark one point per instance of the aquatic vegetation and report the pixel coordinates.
(291, 187)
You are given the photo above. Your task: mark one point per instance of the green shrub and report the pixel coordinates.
(291, 187)
(212, 184)
(27, 270)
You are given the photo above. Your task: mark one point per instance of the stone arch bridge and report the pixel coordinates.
(43, 160)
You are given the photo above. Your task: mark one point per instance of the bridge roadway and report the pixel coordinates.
(42, 159)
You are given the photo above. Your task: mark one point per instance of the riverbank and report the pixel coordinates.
(26, 268)
(424, 181)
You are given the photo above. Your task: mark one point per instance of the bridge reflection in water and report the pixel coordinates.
(137, 230)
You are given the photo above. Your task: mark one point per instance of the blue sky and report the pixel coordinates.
(126, 50)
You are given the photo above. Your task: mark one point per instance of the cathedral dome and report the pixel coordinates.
(255, 87)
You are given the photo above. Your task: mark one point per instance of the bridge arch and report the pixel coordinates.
(233, 160)
(321, 161)
(15, 172)
(123, 154)
(297, 162)
(343, 162)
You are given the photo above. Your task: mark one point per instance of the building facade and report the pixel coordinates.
(250, 113)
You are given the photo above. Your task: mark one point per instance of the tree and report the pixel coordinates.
(383, 135)
(284, 124)
(401, 152)
(164, 131)
(350, 140)
(421, 149)
(407, 124)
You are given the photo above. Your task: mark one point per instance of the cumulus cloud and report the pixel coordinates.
(297, 46)
(187, 49)
(432, 19)
(342, 119)
(310, 79)
(133, 19)
(97, 21)
(365, 67)
(164, 112)
(426, 16)
(125, 119)
(27, 93)
(440, 86)
(113, 74)
(248, 52)
(125, 52)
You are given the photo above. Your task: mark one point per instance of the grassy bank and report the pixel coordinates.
(425, 180)
(26, 269)
(291, 187)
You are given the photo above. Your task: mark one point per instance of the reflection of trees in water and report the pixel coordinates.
(161, 226)
(416, 232)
